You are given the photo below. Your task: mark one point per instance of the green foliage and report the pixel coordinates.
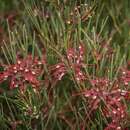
(102, 26)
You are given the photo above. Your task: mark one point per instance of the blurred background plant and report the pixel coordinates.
(77, 84)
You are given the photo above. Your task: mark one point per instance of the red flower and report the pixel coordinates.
(58, 71)
(111, 103)
(75, 60)
(125, 77)
(113, 126)
(25, 70)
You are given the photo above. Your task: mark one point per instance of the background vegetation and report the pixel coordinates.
(65, 93)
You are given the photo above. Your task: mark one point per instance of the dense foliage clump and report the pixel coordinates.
(65, 65)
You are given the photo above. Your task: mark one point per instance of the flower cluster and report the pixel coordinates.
(100, 82)
(22, 72)
(111, 102)
(75, 61)
(125, 77)
(27, 70)
(58, 71)
(103, 93)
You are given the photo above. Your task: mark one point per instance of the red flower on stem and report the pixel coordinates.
(22, 72)
(75, 60)
(125, 77)
(111, 102)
